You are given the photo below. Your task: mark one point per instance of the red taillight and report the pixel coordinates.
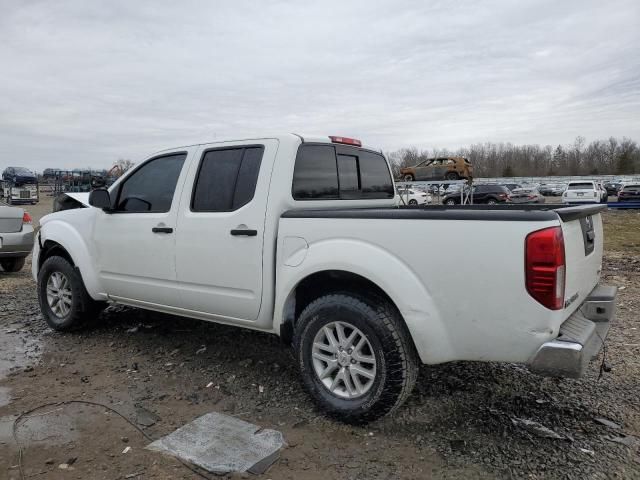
(545, 267)
(26, 218)
(347, 141)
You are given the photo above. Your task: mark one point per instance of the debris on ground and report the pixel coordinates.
(223, 444)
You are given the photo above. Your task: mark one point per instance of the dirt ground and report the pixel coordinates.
(464, 420)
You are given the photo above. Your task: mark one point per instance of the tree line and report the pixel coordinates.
(600, 157)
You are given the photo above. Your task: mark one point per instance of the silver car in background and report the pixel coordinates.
(16, 237)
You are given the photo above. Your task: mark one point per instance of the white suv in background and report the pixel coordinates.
(582, 191)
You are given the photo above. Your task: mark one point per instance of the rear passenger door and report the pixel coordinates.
(220, 234)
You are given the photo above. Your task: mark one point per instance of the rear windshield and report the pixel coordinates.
(338, 172)
(631, 188)
(581, 186)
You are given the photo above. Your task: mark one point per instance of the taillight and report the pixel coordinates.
(545, 267)
(346, 140)
(26, 218)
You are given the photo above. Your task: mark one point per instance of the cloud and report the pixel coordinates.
(85, 83)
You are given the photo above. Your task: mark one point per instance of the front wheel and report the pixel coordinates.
(12, 264)
(492, 201)
(451, 176)
(413, 201)
(408, 178)
(63, 298)
(355, 355)
(450, 201)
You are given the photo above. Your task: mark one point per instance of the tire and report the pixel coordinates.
(78, 308)
(387, 351)
(413, 201)
(492, 201)
(409, 177)
(450, 201)
(452, 176)
(12, 264)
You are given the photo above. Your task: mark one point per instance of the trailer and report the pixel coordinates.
(19, 194)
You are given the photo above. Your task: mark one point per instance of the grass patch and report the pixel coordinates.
(621, 231)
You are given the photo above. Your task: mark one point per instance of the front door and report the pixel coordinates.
(135, 244)
(221, 228)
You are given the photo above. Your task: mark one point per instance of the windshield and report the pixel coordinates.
(632, 188)
(581, 186)
(22, 171)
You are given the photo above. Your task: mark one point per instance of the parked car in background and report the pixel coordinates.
(446, 168)
(526, 195)
(489, 194)
(552, 189)
(629, 192)
(512, 186)
(413, 196)
(613, 188)
(582, 191)
(16, 237)
(19, 175)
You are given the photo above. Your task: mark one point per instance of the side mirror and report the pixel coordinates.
(100, 198)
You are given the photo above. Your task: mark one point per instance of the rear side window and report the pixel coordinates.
(326, 172)
(152, 186)
(226, 179)
(581, 186)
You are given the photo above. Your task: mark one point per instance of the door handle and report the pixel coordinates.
(162, 230)
(244, 231)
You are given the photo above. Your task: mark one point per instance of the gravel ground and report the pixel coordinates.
(464, 420)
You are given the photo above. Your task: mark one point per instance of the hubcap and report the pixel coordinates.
(59, 294)
(343, 360)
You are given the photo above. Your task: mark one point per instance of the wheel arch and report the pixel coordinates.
(371, 270)
(59, 238)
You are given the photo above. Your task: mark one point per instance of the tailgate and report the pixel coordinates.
(583, 242)
(10, 219)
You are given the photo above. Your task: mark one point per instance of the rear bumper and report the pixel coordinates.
(18, 244)
(581, 337)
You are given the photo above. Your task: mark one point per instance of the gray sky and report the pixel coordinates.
(85, 83)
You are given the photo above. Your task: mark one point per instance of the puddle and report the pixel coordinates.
(47, 427)
(17, 350)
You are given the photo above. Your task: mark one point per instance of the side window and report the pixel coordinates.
(152, 186)
(314, 175)
(322, 173)
(226, 179)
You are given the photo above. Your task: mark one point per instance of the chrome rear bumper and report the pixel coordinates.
(581, 337)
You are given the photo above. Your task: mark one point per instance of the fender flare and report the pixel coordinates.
(68, 238)
(389, 273)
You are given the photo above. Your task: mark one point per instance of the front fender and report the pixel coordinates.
(69, 238)
(388, 272)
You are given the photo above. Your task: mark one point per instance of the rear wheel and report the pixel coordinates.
(492, 201)
(452, 176)
(12, 264)
(408, 177)
(355, 355)
(413, 201)
(63, 298)
(450, 201)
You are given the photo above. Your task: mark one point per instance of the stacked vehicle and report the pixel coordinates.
(19, 185)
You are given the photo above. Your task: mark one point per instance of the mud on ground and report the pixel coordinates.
(464, 420)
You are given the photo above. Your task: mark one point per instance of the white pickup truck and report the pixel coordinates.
(300, 236)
